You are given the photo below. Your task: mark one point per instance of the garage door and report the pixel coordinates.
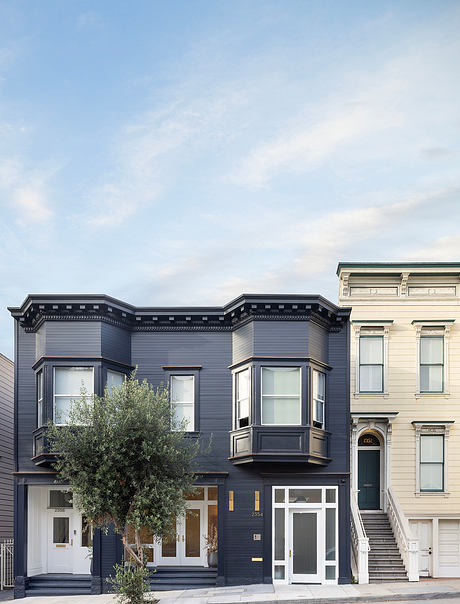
(449, 548)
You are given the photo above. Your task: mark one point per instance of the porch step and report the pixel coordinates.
(385, 562)
(59, 585)
(182, 577)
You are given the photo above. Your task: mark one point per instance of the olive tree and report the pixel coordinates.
(126, 467)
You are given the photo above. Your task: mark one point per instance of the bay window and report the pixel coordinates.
(183, 401)
(40, 399)
(281, 388)
(69, 383)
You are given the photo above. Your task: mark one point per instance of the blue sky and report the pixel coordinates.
(185, 152)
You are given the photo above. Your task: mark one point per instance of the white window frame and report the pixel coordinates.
(190, 427)
(321, 509)
(299, 396)
(441, 428)
(73, 396)
(316, 398)
(436, 329)
(237, 400)
(371, 328)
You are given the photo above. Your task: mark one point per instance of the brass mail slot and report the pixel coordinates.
(257, 559)
(368, 485)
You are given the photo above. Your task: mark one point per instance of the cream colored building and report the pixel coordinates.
(405, 403)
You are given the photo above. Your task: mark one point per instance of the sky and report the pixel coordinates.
(185, 152)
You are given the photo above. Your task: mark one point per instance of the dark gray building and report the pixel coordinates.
(6, 447)
(266, 375)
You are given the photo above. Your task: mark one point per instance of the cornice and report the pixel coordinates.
(36, 310)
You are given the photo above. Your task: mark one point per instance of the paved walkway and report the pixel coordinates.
(427, 589)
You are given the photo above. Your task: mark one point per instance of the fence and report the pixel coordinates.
(6, 563)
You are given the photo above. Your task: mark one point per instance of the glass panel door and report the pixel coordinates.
(305, 549)
(60, 542)
(193, 533)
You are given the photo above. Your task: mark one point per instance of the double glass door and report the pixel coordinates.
(187, 547)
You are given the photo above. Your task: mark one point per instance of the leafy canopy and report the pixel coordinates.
(123, 462)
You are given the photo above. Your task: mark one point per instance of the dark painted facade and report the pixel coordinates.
(248, 458)
(6, 447)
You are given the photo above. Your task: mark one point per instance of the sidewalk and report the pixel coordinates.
(427, 589)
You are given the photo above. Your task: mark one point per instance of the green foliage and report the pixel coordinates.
(124, 464)
(130, 583)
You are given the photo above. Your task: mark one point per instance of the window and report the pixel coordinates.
(114, 379)
(242, 398)
(319, 398)
(61, 499)
(68, 384)
(183, 400)
(431, 364)
(39, 399)
(371, 364)
(431, 462)
(281, 396)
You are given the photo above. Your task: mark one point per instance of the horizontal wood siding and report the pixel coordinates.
(243, 342)
(281, 338)
(6, 447)
(26, 412)
(116, 343)
(318, 344)
(82, 338)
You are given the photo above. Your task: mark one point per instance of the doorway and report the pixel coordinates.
(369, 471)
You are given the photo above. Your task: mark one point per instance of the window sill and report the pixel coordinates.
(371, 395)
(432, 494)
(432, 395)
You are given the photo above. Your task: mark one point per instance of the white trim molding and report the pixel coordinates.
(433, 328)
(372, 328)
(441, 428)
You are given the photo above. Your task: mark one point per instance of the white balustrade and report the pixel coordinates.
(408, 546)
(359, 542)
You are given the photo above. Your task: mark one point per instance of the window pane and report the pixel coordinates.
(431, 350)
(330, 533)
(304, 544)
(242, 384)
(60, 530)
(114, 379)
(431, 477)
(279, 495)
(86, 533)
(69, 380)
(371, 378)
(243, 408)
(330, 495)
(371, 350)
(319, 412)
(60, 499)
(319, 380)
(281, 411)
(40, 385)
(431, 378)
(182, 412)
(212, 493)
(279, 533)
(330, 572)
(196, 495)
(279, 572)
(281, 380)
(62, 406)
(432, 448)
(304, 495)
(182, 388)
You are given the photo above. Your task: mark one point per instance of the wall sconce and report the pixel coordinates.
(257, 501)
(230, 501)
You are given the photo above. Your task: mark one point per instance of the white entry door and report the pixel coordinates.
(305, 548)
(69, 543)
(187, 547)
(60, 542)
(423, 531)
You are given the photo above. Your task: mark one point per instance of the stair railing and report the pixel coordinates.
(359, 542)
(408, 546)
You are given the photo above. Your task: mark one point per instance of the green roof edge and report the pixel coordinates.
(394, 264)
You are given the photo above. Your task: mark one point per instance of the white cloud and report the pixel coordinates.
(31, 203)
(443, 249)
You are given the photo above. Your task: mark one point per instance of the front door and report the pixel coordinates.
(60, 542)
(305, 547)
(369, 479)
(186, 548)
(422, 530)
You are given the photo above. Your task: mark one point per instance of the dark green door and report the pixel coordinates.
(369, 479)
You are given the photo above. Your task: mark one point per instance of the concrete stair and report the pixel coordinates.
(385, 562)
(59, 584)
(182, 577)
